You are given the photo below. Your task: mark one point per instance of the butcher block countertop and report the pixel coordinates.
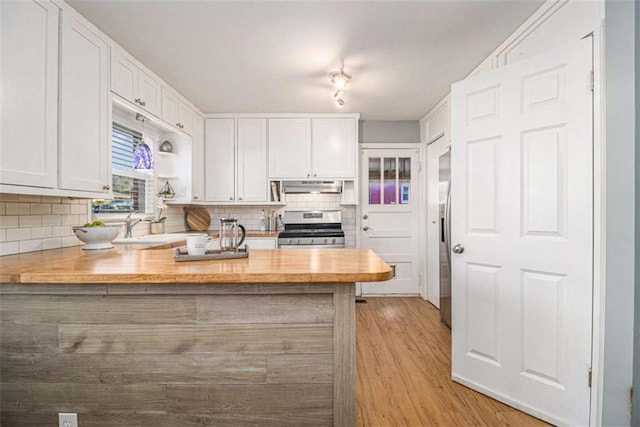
(126, 264)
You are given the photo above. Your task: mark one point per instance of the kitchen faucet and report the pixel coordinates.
(130, 223)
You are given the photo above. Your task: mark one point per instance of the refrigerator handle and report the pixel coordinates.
(447, 224)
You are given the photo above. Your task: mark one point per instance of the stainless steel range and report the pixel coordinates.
(311, 229)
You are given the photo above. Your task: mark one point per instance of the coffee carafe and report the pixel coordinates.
(232, 235)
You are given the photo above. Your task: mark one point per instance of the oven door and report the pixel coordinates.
(310, 246)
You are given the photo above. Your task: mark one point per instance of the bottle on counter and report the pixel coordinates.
(263, 221)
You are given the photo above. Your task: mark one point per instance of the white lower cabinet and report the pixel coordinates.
(236, 162)
(29, 87)
(84, 109)
(260, 243)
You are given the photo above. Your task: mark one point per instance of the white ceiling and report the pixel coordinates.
(263, 56)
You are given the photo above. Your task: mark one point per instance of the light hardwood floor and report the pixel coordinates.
(403, 374)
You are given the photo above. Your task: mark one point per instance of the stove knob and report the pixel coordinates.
(324, 241)
(333, 241)
(298, 241)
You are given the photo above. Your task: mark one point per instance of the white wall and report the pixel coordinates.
(636, 366)
(374, 131)
(620, 217)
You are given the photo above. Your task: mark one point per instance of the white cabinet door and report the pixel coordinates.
(289, 148)
(260, 243)
(124, 76)
(169, 107)
(252, 160)
(84, 104)
(333, 151)
(185, 118)
(220, 160)
(29, 87)
(197, 159)
(150, 93)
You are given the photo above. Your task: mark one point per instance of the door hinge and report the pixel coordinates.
(592, 80)
(590, 377)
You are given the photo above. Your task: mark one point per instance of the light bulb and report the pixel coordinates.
(340, 83)
(339, 102)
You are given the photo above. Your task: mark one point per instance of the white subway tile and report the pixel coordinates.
(30, 245)
(40, 208)
(9, 221)
(30, 221)
(79, 209)
(60, 209)
(29, 198)
(9, 197)
(9, 248)
(3, 208)
(54, 243)
(50, 199)
(3, 235)
(17, 209)
(15, 234)
(40, 232)
(51, 220)
(73, 220)
(70, 241)
(61, 230)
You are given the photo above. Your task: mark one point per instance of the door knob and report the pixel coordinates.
(457, 249)
(365, 228)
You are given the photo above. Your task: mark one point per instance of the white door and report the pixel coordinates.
(389, 225)
(252, 160)
(85, 130)
(522, 208)
(334, 148)
(29, 88)
(435, 194)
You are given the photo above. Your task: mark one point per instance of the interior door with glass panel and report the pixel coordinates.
(389, 223)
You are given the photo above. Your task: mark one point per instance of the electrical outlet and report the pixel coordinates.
(67, 420)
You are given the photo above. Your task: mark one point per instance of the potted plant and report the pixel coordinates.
(157, 223)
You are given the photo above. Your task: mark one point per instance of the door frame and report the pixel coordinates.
(421, 202)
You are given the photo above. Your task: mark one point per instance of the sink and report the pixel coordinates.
(151, 239)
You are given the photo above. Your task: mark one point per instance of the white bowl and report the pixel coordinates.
(97, 237)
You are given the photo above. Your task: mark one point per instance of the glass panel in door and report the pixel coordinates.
(374, 181)
(390, 181)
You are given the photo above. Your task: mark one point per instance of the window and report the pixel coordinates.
(131, 186)
(389, 180)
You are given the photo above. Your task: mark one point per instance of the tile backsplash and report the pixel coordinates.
(35, 223)
(249, 216)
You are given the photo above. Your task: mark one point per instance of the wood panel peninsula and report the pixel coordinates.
(128, 336)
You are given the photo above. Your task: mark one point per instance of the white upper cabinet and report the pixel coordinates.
(334, 148)
(185, 118)
(84, 108)
(236, 163)
(312, 148)
(197, 160)
(289, 148)
(29, 87)
(135, 85)
(219, 160)
(169, 106)
(252, 160)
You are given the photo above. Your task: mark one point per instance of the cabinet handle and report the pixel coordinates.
(239, 198)
(144, 103)
(314, 175)
(138, 101)
(106, 187)
(230, 198)
(308, 175)
(195, 197)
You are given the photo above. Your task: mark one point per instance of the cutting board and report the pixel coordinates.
(198, 219)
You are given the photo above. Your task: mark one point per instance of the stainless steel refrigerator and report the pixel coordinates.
(444, 186)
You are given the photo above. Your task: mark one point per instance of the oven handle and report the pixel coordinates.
(310, 246)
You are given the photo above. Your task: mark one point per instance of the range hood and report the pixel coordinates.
(312, 186)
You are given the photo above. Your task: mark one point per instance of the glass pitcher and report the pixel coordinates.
(232, 235)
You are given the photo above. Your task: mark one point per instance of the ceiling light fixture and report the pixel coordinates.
(339, 102)
(340, 78)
